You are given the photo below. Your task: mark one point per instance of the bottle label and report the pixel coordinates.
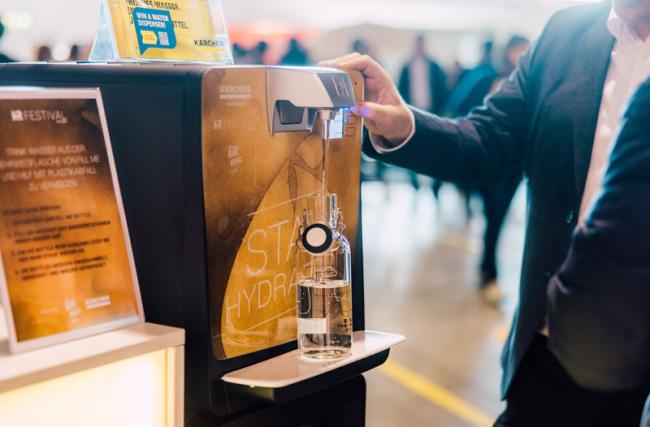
(312, 326)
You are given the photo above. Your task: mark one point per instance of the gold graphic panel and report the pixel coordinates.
(256, 187)
(63, 248)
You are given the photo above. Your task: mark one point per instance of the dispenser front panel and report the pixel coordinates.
(255, 188)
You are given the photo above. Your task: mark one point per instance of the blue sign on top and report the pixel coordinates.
(154, 28)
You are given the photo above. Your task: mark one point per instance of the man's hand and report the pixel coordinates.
(385, 112)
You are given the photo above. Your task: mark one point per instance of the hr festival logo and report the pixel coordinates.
(56, 116)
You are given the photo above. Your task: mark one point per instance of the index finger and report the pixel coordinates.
(365, 64)
(334, 62)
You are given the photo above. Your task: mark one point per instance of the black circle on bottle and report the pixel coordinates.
(317, 247)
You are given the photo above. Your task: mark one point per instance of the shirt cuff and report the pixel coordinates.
(381, 146)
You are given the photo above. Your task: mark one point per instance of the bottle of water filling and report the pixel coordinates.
(324, 288)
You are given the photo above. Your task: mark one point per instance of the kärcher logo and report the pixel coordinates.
(235, 92)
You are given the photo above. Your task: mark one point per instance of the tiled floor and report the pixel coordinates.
(420, 281)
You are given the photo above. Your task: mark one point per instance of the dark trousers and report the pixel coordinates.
(496, 201)
(544, 395)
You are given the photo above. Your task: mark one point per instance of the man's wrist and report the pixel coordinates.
(381, 145)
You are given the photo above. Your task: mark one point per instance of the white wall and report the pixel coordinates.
(513, 15)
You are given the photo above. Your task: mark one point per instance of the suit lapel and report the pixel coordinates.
(593, 62)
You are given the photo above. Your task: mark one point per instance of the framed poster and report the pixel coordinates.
(66, 267)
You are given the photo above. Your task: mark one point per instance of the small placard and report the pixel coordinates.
(66, 267)
(171, 30)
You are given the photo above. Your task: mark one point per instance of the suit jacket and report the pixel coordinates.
(437, 86)
(543, 116)
(599, 301)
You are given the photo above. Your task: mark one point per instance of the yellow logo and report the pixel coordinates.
(149, 37)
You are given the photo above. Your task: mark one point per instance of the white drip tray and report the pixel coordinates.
(289, 368)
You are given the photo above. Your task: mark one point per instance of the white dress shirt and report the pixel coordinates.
(629, 67)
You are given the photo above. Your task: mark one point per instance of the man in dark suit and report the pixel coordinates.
(553, 116)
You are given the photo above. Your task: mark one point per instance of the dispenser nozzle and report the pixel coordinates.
(326, 116)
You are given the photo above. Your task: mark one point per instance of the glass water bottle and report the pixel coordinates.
(324, 289)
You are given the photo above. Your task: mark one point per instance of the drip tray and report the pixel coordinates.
(288, 376)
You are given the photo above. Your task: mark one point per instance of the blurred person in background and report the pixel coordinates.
(361, 47)
(296, 54)
(76, 53)
(423, 84)
(459, 104)
(515, 48)
(44, 53)
(555, 115)
(239, 53)
(456, 74)
(3, 57)
(496, 198)
(258, 53)
(487, 57)
(474, 85)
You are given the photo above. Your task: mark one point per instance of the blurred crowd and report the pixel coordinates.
(295, 54)
(75, 52)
